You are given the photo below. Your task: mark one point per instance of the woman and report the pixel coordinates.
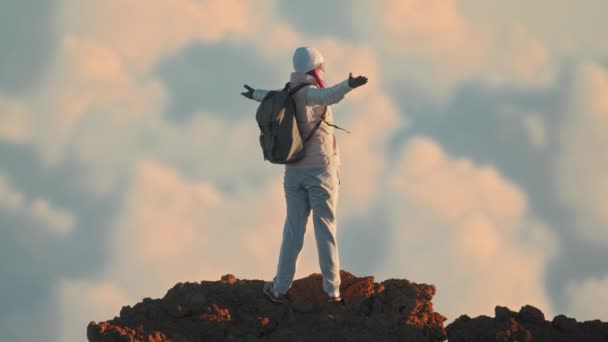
(313, 182)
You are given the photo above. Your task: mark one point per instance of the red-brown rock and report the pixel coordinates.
(528, 324)
(236, 310)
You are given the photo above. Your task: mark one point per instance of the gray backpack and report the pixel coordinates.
(280, 137)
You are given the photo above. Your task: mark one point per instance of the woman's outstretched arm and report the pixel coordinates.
(333, 94)
(260, 94)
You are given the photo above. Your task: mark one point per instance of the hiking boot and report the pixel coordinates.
(273, 295)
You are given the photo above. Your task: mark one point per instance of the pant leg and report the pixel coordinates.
(323, 191)
(298, 210)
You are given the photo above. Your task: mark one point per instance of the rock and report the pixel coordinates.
(528, 324)
(232, 309)
(106, 332)
(565, 324)
(228, 279)
(532, 315)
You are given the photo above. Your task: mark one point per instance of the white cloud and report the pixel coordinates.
(57, 220)
(97, 104)
(14, 121)
(79, 302)
(570, 32)
(105, 118)
(429, 28)
(90, 105)
(582, 163)
(432, 45)
(427, 43)
(464, 228)
(60, 221)
(142, 32)
(178, 230)
(588, 299)
(518, 59)
(10, 198)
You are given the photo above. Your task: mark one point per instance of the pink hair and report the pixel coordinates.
(315, 74)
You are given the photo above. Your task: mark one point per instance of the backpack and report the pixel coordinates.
(280, 137)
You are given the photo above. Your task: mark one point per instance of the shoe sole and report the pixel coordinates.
(335, 300)
(272, 298)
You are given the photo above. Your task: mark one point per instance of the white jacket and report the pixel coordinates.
(321, 149)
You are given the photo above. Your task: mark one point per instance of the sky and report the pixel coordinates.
(129, 161)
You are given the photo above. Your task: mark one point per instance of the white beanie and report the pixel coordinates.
(306, 59)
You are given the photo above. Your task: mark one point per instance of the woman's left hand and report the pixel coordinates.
(355, 82)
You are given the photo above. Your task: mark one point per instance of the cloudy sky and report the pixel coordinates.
(129, 161)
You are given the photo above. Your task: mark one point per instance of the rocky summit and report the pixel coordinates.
(235, 310)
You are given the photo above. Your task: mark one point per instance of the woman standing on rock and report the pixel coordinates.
(313, 182)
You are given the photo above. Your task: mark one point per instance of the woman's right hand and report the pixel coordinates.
(249, 93)
(355, 82)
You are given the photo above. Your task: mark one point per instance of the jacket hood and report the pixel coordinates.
(302, 77)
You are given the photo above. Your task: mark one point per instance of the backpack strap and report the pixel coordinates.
(316, 126)
(298, 87)
(293, 91)
(336, 126)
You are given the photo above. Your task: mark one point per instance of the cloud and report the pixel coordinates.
(578, 37)
(80, 301)
(92, 93)
(427, 27)
(10, 198)
(164, 213)
(536, 129)
(582, 166)
(321, 18)
(588, 299)
(416, 36)
(161, 28)
(14, 121)
(104, 117)
(57, 220)
(465, 228)
(432, 45)
(60, 221)
(87, 97)
(96, 87)
(208, 77)
(518, 59)
(498, 126)
(179, 230)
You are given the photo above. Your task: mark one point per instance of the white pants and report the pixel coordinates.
(309, 189)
